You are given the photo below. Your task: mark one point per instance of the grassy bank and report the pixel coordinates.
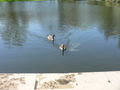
(18, 0)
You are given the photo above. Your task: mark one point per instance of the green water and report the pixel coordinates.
(91, 33)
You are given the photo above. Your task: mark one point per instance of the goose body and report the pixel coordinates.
(62, 47)
(51, 37)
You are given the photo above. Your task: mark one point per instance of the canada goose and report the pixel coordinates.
(51, 37)
(62, 47)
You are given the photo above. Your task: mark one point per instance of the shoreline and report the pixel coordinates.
(66, 81)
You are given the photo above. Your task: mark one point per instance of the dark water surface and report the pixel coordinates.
(90, 32)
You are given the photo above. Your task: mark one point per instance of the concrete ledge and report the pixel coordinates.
(64, 81)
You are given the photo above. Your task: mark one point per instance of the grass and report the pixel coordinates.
(18, 0)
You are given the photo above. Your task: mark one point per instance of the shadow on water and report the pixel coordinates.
(91, 34)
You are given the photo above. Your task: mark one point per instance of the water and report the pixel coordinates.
(91, 33)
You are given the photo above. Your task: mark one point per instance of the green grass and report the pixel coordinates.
(19, 0)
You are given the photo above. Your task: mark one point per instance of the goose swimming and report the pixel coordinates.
(51, 37)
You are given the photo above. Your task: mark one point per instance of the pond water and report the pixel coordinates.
(90, 32)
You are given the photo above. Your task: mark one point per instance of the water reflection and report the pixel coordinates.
(14, 31)
(17, 20)
(91, 34)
